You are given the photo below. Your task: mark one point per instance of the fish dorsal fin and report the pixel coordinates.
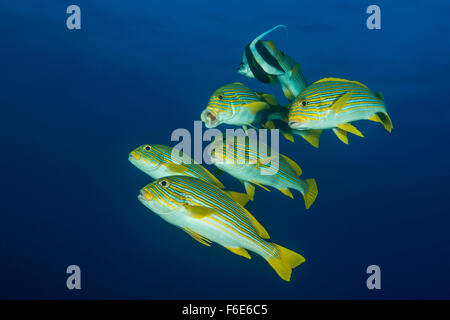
(260, 230)
(340, 103)
(341, 134)
(198, 237)
(198, 212)
(293, 165)
(260, 185)
(239, 83)
(214, 179)
(294, 71)
(287, 192)
(342, 80)
(350, 128)
(241, 198)
(240, 252)
(175, 168)
(257, 106)
(270, 99)
(262, 35)
(379, 95)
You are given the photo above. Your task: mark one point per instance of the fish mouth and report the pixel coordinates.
(209, 118)
(145, 196)
(134, 156)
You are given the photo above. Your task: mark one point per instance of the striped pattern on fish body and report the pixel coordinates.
(333, 103)
(156, 161)
(235, 104)
(244, 160)
(210, 214)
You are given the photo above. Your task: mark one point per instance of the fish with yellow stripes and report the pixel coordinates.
(209, 214)
(334, 103)
(157, 161)
(237, 104)
(254, 163)
(263, 61)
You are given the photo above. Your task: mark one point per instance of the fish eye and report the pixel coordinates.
(164, 183)
(304, 103)
(147, 148)
(220, 97)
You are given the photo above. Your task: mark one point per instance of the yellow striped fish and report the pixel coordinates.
(252, 162)
(156, 161)
(237, 104)
(333, 103)
(209, 214)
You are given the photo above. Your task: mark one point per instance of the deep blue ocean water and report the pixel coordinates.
(74, 103)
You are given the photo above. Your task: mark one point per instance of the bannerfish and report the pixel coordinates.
(253, 162)
(156, 160)
(237, 104)
(209, 214)
(334, 103)
(261, 58)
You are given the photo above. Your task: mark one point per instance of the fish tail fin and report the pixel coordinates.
(285, 261)
(311, 193)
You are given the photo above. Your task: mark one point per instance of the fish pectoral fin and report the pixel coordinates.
(287, 93)
(341, 134)
(350, 128)
(293, 165)
(250, 189)
(240, 252)
(241, 198)
(257, 106)
(198, 212)
(340, 103)
(287, 192)
(176, 168)
(288, 136)
(294, 71)
(270, 99)
(311, 194)
(198, 237)
(260, 185)
(312, 136)
(384, 119)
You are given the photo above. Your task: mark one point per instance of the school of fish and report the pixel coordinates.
(187, 195)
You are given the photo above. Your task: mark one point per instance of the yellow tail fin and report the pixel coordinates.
(285, 262)
(311, 194)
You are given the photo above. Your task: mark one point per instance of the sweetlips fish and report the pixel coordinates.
(237, 104)
(156, 160)
(262, 60)
(334, 103)
(209, 214)
(253, 162)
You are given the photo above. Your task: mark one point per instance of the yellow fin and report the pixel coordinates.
(259, 185)
(241, 198)
(287, 192)
(312, 136)
(260, 230)
(176, 168)
(240, 252)
(198, 212)
(311, 194)
(293, 165)
(270, 99)
(384, 119)
(342, 80)
(341, 134)
(271, 45)
(350, 128)
(198, 237)
(288, 136)
(269, 125)
(294, 70)
(256, 107)
(214, 179)
(250, 189)
(287, 93)
(340, 103)
(285, 262)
